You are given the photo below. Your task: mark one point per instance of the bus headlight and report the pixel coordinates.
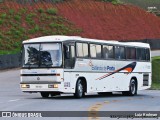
(25, 86)
(55, 85)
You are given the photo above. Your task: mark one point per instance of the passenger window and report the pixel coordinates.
(119, 52)
(82, 50)
(85, 50)
(95, 51)
(141, 55)
(147, 54)
(131, 53)
(72, 52)
(108, 51)
(79, 50)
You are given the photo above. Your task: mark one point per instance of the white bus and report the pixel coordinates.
(68, 64)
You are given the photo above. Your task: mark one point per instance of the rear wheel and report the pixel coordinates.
(79, 89)
(132, 89)
(45, 94)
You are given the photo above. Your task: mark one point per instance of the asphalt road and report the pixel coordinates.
(12, 99)
(155, 53)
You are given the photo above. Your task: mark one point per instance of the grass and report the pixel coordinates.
(17, 17)
(34, 29)
(29, 18)
(4, 52)
(1, 21)
(156, 73)
(155, 86)
(52, 11)
(25, 24)
(3, 15)
(114, 2)
(40, 10)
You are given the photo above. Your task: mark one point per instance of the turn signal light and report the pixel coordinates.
(50, 86)
(53, 86)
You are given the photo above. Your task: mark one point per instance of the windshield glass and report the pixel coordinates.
(42, 55)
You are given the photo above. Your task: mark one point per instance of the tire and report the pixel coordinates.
(105, 93)
(132, 89)
(79, 89)
(54, 94)
(45, 94)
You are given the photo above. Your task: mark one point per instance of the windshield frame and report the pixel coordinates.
(40, 66)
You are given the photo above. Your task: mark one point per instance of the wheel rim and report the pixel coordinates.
(80, 89)
(133, 88)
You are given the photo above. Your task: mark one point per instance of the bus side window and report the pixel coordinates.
(69, 56)
(105, 52)
(82, 50)
(108, 51)
(147, 54)
(138, 54)
(72, 52)
(130, 53)
(119, 52)
(95, 51)
(141, 54)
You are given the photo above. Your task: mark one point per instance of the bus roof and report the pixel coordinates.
(61, 38)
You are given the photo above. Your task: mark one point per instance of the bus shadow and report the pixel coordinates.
(96, 96)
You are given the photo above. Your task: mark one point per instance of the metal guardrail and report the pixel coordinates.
(10, 61)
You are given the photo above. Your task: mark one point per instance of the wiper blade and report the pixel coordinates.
(29, 67)
(47, 65)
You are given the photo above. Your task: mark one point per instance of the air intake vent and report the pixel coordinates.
(145, 79)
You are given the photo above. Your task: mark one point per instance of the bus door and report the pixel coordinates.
(69, 62)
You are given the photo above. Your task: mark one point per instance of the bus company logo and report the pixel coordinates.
(109, 68)
(128, 68)
(53, 71)
(38, 78)
(103, 68)
(90, 63)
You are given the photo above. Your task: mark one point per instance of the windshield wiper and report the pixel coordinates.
(29, 67)
(47, 65)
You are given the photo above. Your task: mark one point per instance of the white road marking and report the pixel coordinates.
(13, 100)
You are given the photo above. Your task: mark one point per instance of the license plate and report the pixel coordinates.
(38, 86)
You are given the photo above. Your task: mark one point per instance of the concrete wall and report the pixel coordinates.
(10, 61)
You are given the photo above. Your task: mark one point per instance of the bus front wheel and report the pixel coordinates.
(79, 89)
(45, 94)
(132, 88)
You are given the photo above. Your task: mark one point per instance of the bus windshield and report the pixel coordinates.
(42, 55)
